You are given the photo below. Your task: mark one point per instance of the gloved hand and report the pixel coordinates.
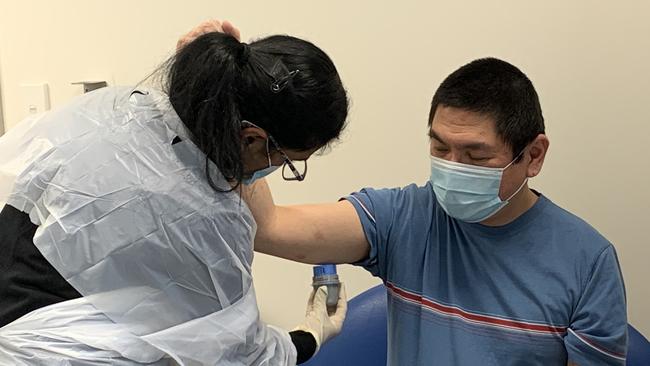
(318, 322)
(208, 26)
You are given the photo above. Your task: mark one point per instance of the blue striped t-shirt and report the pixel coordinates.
(542, 290)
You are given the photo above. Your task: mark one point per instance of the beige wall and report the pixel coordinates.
(589, 61)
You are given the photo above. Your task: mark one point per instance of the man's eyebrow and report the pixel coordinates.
(469, 146)
(432, 134)
(476, 146)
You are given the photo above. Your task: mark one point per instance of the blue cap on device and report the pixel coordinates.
(324, 270)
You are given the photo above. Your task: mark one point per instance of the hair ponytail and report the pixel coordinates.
(285, 85)
(203, 87)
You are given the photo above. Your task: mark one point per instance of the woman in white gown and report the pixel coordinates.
(123, 235)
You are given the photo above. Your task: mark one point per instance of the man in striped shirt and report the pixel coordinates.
(481, 269)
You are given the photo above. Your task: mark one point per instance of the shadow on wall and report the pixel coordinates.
(2, 120)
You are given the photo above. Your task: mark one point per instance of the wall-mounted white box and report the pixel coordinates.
(35, 98)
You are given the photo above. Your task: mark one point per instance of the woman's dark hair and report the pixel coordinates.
(500, 90)
(215, 82)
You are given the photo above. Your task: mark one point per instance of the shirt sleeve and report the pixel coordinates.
(376, 210)
(597, 334)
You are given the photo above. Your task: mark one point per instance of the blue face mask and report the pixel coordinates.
(468, 193)
(262, 172)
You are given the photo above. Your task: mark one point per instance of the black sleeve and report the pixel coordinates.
(27, 280)
(305, 344)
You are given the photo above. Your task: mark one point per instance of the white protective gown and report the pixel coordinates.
(129, 220)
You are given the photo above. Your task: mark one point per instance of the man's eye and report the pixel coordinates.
(480, 158)
(441, 149)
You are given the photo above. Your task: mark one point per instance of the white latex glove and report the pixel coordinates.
(318, 322)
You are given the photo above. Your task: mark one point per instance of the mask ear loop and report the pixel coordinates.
(522, 184)
(517, 191)
(515, 159)
(268, 152)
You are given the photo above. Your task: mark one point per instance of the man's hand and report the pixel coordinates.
(318, 321)
(208, 26)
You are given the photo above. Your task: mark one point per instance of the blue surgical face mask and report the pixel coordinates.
(468, 193)
(259, 174)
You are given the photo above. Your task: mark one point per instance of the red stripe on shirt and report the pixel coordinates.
(473, 317)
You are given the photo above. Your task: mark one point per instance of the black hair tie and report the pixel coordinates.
(244, 54)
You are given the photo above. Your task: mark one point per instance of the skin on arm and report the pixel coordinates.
(322, 233)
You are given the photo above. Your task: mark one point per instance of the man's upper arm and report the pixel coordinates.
(597, 334)
(322, 233)
(354, 230)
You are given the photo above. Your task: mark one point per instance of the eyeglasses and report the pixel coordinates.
(292, 171)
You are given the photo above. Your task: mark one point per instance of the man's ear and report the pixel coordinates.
(537, 152)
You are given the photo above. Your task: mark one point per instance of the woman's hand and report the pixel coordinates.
(318, 321)
(208, 26)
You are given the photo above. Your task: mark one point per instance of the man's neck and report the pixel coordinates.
(517, 206)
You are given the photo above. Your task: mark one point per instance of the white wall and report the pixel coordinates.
(589, 61)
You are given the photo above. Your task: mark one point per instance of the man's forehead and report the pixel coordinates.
(459, 118)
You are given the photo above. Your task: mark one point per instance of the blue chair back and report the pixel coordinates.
(363, 340)
(638, 348)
